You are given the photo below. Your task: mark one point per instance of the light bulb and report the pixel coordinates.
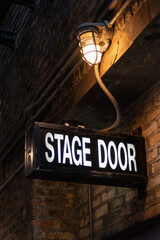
(92, 54)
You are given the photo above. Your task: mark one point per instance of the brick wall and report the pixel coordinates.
(53, 210)
(15, 199)
(34, 209)
(44, 35)
(54, 205)
(115, 209)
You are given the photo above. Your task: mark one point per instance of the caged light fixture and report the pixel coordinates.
(94, 39)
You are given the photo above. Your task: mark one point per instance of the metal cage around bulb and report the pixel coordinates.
(90, 45)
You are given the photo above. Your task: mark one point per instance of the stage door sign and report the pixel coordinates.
(75, 154)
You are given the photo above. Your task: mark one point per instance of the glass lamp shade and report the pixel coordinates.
(90, 47)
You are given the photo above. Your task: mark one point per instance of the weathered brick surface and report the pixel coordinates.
(44, 35)
(115, 209)
(34, 210)
(15, 201)
(54, 210)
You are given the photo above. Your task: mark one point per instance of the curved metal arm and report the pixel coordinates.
(112, 99)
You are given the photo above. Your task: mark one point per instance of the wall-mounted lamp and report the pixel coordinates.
(94, 39)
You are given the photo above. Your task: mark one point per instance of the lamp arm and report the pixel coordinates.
(110, 96)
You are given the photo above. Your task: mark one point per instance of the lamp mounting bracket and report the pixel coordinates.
(105, 33)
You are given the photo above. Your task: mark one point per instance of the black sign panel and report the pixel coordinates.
(87, 156)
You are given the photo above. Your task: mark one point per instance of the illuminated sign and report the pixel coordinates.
(87, 156)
